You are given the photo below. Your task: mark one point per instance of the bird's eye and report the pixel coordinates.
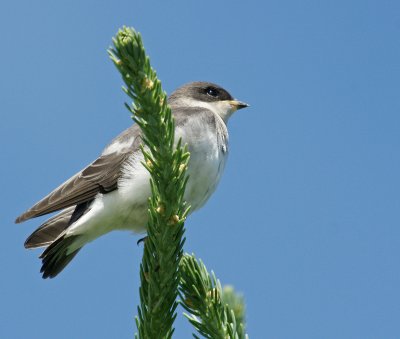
(212, 92)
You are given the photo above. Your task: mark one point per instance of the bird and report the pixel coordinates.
(112, 192)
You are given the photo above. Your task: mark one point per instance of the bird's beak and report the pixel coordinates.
(236, 104)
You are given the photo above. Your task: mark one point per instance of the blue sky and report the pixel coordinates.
(305, 222)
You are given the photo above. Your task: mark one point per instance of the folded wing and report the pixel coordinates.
(101, 176)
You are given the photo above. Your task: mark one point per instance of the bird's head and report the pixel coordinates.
(207, 95)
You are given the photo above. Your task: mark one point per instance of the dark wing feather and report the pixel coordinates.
(100, 176)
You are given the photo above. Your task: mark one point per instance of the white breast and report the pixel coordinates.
(208, 155)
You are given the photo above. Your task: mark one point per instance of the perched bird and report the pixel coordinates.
(112, 192)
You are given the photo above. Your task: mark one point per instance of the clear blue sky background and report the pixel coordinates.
(306, 219)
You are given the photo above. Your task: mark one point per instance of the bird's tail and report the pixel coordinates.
(50, 229)
(58, 254)
(61, 248)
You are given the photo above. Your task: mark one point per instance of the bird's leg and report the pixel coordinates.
(141, 240)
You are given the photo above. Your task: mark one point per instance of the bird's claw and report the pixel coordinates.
(141, 240)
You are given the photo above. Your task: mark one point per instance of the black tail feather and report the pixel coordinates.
(57, 256)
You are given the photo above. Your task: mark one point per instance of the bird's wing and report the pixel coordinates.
(100, 176)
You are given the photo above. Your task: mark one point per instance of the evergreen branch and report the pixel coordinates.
(215, 313)
(235, 302)
(159, 274)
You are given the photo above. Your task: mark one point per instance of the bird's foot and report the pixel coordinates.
(141, 240)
